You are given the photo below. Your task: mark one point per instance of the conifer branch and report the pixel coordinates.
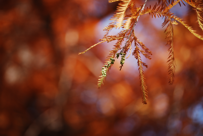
(199, 10)
(137, 18)
(121, 9)
(171, 58)
(188, 27)
(111, 1)
(110, 59)
(168, 14)
(141, 73)
(200, 18)
(128, 22)
(171, 5)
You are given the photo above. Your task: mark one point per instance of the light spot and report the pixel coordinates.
(160, 105)
(25, 56)
(71, 37)
(178, 65)
(197, 114)
(12, 74)
(106, 105)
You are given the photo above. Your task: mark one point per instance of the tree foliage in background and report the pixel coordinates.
(47, 89)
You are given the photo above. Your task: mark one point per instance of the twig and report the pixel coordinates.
(135, 23)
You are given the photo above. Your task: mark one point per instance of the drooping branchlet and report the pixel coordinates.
(128, 23)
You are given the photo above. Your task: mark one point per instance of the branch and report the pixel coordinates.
(139, 14)
(91, 47)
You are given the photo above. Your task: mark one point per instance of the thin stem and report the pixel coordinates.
(163, 11)
(171, 5)
(135, 23)
(92, 47)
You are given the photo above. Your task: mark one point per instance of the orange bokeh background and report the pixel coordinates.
(47, 89)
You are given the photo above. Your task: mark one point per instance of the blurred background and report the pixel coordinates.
(47, 89)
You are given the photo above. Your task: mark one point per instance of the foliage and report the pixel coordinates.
(128, 22)
(48, 90)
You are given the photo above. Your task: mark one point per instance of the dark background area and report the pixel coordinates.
(47, 89)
